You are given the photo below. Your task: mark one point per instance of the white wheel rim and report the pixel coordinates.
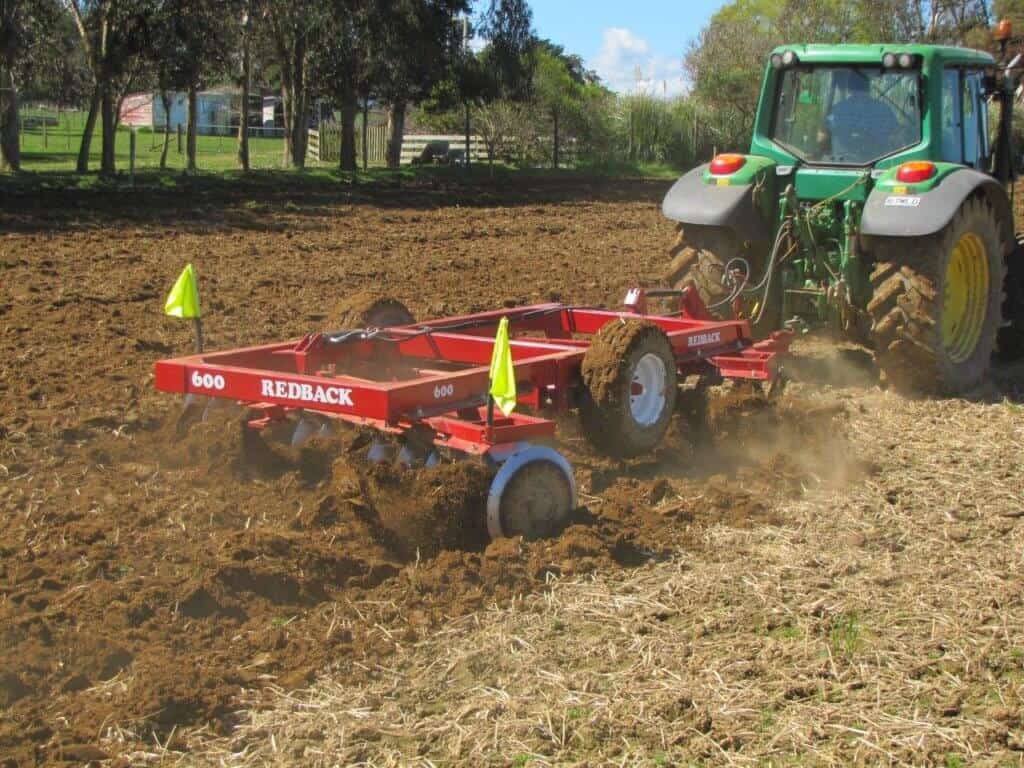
(508, 470)
(647, 390)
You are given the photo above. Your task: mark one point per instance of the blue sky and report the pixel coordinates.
(616, 36)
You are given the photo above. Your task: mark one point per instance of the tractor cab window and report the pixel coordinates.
(847, 115)
(952, 135)
(975, 121)
(965, 129)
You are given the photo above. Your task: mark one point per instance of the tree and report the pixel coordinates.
(294, 26)
(23, 27)
(556, 91)
(192, 40)
(113, 35)
(245, 82)
(55, 68)
(341, 67)
(417, 46)
(496, 121)
(11, 43)
(509, 56)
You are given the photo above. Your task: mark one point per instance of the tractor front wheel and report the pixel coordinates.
(937, 303)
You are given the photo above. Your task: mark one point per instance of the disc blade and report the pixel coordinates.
(380, 451)
(305, 429)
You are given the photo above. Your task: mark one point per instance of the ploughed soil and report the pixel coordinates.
(150, 573)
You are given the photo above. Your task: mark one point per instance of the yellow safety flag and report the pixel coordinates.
(183, 300)
(503, 375)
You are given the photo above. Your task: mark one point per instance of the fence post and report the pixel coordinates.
(468, 153)
(179, 138)
(366, 132)
(131, 154)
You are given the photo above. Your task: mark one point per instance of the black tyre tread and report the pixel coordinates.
(699, 255)
(1010, 341)
(606, 370)
(905, 306)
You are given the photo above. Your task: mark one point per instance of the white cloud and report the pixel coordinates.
(627, 64)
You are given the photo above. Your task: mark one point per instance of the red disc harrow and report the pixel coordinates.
(425, 383)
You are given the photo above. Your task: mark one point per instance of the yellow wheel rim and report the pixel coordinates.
(965, 298)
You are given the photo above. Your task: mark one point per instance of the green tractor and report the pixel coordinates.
(877, 197)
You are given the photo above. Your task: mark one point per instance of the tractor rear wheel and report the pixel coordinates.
(700, 255)
(937, 303)
(1010, 341)
(630, 387)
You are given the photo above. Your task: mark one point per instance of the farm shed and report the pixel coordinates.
(215, 108)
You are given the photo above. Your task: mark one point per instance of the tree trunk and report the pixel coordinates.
(300, 106)
(349, 108)
(10, 147)
(467, 138)
(296, 109)
(193, 126)
(108, 106)
(165, 98)
(87, 132)
(300, 125)
(286, 115)
(554, 114)
(396, 132)
(243, 122)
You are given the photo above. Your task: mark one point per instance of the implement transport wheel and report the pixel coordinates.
(629, 375)
(937, 304)
(369, 310)
(533, 495)
(700, 255)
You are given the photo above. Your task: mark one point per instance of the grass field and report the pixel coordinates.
(56, 148)
(55, 151)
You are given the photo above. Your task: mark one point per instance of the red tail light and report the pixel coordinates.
(915, 171)
(723, 165)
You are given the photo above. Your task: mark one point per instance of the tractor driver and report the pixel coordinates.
(860, 128)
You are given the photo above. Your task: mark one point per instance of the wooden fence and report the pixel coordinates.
(325, 143)
(412, 146)
(325, 146)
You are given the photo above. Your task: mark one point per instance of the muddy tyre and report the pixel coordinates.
(373, 311)
(700, 255)
(630, 387)
(532, 495)
(936, 309)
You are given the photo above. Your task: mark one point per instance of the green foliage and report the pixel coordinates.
(663, 131)
(845, 635)
(509, 57)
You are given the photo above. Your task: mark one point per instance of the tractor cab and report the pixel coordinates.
(876, 106)
(874, 198)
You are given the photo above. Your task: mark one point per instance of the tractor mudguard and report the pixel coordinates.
(905, 212)
(691, 200)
